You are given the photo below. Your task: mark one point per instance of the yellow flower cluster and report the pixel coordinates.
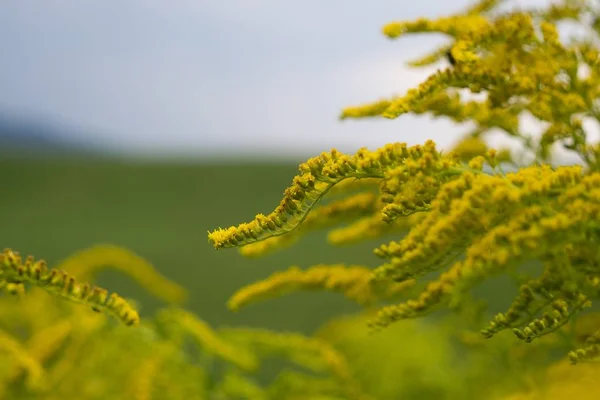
(498, 221)
(354, 282)
(57, 345)
(371, 227)
(322, 217)
(15, 271)
(318, 175)
(518, 60)
(464, 218)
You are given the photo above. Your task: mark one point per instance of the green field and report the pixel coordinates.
(53, 207)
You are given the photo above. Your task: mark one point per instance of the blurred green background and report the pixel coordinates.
(53, 206)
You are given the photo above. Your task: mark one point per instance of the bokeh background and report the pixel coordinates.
(146, 123)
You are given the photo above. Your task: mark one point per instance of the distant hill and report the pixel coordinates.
(21, 136)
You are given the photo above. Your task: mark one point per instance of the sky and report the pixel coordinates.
(216, 77)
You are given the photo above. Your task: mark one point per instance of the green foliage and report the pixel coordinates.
(55, 346)
(456, 222)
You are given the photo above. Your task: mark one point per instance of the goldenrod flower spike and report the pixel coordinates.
(353, 281)
(85, 263)
(589, 352)
(551, 320)
(533, 297)
(58, 283)
(428, 59)
(370, 110)
(317, 176)
(372, 227)
(324, 216)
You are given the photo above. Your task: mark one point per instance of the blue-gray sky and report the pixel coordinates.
(211, 77)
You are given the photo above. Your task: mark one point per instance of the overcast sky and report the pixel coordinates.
(215, 76)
